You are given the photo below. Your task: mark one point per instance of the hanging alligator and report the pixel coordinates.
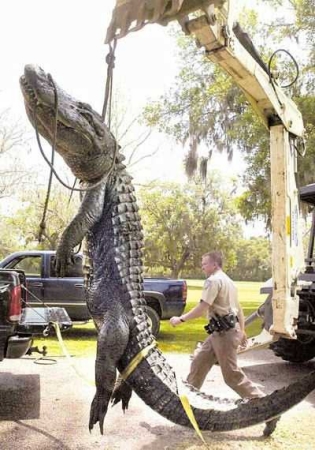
(109, 221)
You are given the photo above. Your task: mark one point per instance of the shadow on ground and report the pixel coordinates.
(267, 374)
(20, 396)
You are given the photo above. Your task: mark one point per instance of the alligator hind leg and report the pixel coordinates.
(122, 392)
(112, 339)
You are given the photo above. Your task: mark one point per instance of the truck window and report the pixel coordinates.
(75, 270)
(30, 264)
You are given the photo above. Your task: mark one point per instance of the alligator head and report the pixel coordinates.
(83, 140)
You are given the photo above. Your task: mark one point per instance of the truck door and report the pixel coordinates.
(67, 292)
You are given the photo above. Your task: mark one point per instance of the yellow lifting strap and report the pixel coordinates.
(190, 414)
(137, 360)
(183, 398)
(66, 353)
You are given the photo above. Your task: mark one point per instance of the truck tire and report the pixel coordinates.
(295, 351)
(154, 320)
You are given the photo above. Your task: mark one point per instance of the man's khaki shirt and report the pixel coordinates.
(220, 293)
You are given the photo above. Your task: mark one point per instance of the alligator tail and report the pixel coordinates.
(213, 414)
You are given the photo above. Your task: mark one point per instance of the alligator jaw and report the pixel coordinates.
(83, 140)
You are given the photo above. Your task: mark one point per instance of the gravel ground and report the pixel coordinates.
(47, 407)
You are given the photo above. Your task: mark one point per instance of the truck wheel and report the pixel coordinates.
(154, 320)
(294, 350)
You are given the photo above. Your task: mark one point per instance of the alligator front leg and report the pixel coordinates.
(111, 343)
(89, 213)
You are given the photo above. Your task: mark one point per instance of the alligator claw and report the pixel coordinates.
(98, 412)
(63, 260)
(122, 392)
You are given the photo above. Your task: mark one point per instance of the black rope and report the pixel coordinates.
(42, 225)
(72, 190)
(110, 60)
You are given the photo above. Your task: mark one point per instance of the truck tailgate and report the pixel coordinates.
(35, 320)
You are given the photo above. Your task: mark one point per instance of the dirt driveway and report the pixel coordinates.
(46, 407)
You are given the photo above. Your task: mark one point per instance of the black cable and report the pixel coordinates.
(89, 188)
(294, 61)
(42, 224)
(110, 60)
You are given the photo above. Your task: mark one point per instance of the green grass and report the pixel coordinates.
(80, 340)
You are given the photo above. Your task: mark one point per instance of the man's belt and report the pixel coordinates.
(221, 323)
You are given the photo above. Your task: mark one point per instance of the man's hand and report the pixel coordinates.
(243, 342)
(175, 321)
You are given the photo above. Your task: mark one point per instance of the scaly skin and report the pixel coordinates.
(108, 219)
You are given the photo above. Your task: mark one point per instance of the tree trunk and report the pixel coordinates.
(178, 267)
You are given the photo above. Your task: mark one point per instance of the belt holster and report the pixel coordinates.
(221, 323)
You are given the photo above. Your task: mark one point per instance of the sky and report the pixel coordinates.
(66, 38)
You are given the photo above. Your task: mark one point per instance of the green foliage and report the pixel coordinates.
(202, 106)
(182, 223)
(253, 260)
(22, 229)
(205, 106)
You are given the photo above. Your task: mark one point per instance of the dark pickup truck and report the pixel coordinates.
(18, 323)
(165, 297)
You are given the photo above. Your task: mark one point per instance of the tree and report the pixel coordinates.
(205, 106)
(13, 140)
(181, 223)
(22, 228)
(132, 135)
(253, 260)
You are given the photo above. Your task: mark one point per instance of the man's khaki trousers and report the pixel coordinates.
(221, 347)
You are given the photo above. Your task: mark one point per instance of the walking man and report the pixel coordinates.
(226, 330)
